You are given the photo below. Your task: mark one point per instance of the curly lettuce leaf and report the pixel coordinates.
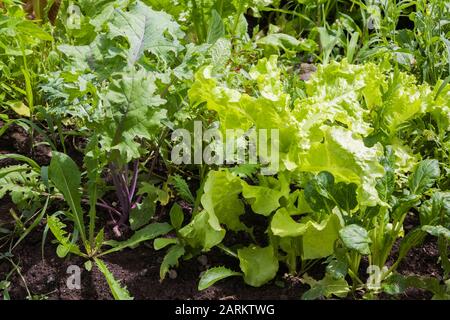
(349, 160)
(221, 198)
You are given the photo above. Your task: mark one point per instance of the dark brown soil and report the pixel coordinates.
(17, 140)
(138, 269)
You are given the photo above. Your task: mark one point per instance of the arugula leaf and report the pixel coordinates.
(170, 259)
(57, 228)
(182, 188)
(21, 182)
(65, 175)
(118, 292)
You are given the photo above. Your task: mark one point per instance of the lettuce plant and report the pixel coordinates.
(337, 193)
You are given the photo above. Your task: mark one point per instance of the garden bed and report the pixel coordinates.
(229, 150)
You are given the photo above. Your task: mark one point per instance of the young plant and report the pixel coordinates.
(65, 176)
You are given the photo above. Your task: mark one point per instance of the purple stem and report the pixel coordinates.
(134, 180)
(123, 199)
(124, 183)
(124, 193)
(112, 218)
(103, 204)
(125, 174)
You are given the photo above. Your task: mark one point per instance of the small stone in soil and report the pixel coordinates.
(50, 279)
(143, 272)
(173, 274)
(203, 260)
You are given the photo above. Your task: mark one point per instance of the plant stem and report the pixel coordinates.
(228, 251)
(134, 180)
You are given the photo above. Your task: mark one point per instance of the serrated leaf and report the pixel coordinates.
(170, 260)
(65, 246)
(182, 188)
(146, 30)
(133, 112)
(348, 160)
(245, 170)
(21, 182)
(118, 292)
(211, 276)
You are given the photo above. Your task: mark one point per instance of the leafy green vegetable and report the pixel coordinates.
(437, 231)
(176, 216)
(211, 276)
(119, 292)
(259, 265)
(65, 175)
(182, 188)
(426, 173)
(221, 199)
(170, 259)
(149, 232)
(131, 112)
(326, 288)
(356, 238)
(57, 228)
(204, 231)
